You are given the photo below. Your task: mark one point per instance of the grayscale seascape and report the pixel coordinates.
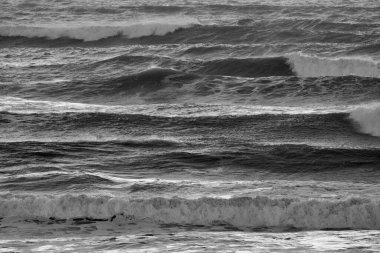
(189, 126)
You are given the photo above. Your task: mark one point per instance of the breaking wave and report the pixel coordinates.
(241, 67)
(291, 64)
(93, 32)
(295, 64)
(253, 212)
(314, 66)
(368, 119)
(187, 31)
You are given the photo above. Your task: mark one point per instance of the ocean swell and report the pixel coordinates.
(93, 32)
(292, 64)
(252, 212)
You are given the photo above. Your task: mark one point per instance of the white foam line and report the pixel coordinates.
(24, 106)
(96, 31)
(315, 66)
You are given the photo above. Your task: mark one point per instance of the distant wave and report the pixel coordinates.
(261, 161)
(93, 32)
(251, 212)
(368, 119)
(246, 81)
(288, 160)
(184, 30)
(150, 141)
(292, 64)
(25, 106)
(314, 66)
(241, 67)
(308, 122)
(265, 49)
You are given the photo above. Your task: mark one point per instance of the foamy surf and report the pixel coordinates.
(96, 31)
(368, 119)
(316, 66)
(253, 212)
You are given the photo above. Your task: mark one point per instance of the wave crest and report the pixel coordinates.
(93, 32)
(314, 66)
(368, 119)
(255, 212)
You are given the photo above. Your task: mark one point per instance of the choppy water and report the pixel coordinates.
(190, 125)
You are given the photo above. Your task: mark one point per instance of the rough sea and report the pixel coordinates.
(189, 126)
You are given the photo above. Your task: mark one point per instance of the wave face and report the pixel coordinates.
(93, 32)
(60, 122)
(251, 67)
(261, 161)
(189, 32)
(167, 85)
(239, 67)
(251, 212)
(298, 64)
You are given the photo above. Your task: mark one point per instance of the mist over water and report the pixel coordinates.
(200, 125)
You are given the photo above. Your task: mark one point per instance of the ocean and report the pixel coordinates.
(189, 126)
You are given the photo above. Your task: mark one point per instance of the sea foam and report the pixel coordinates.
(254, 212)
(315, 66)
(368, 119)
(93, 32)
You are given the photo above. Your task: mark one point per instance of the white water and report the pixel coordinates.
(95, 31)
(252, 212)
(314, 66)
(368, 119)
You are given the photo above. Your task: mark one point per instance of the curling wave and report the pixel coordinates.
(253, 212)
(93, 32)
(314, 66)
